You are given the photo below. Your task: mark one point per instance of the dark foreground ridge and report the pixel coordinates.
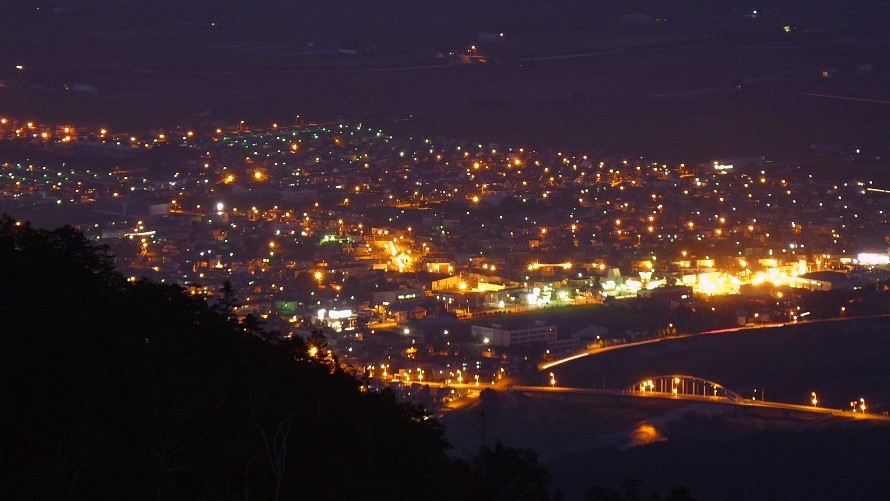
(132, 390)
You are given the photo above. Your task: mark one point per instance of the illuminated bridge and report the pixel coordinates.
(683, 386)
(672, 387)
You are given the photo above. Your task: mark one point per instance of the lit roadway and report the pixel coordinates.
(702, 398)
(505, 386)
(597, 351)
(811, 409)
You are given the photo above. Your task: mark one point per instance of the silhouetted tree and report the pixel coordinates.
(303, 286)
(631, 490)
(600, 493)
(679, 493)
(252, 324)
(511, 474)
(354, 287)
(227, 302)
(134, 390)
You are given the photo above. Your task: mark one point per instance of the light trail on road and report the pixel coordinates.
(597, 351)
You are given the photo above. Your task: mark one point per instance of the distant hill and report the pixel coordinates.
(681, 80)
(116, 34)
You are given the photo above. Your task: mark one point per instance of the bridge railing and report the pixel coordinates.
(679, 384)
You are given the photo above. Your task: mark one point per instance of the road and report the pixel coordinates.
(845, 98)
(597, 351)
(707, 399)
(468, 401)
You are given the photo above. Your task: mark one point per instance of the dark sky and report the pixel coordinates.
(745, 89)
(81, 28)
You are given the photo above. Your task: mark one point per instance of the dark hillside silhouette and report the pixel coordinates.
(132, 390)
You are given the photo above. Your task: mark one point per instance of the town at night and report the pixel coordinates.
(544, 251)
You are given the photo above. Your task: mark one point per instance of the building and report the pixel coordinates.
(497, 335)
(823, 281)
(395, 296)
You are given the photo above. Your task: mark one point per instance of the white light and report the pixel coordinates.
(873, 259)
(338, 314)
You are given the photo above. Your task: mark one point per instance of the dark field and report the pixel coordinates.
(718, 452)
(716, 464)
(840, 361)
(713, 450)
(711, 82)
(677, 105)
